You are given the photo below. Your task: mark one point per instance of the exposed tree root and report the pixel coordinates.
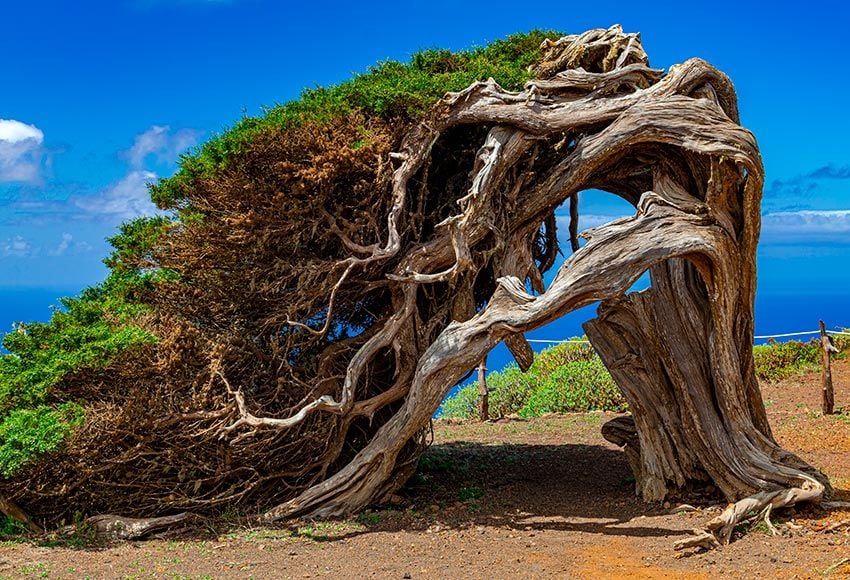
(723, 525)
(111, 527)
(701, 539)
(755, 507)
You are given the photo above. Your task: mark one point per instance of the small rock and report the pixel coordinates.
(407, 576)
(667, 505)
(396, 499)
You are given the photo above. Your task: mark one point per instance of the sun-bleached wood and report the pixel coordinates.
(671, 144)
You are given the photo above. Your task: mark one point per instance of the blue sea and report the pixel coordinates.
(29, 304)
(775, 314)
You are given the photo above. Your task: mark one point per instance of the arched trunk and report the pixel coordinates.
(597, 117)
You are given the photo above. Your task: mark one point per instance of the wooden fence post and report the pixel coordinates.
(483, 393)
(828, 391)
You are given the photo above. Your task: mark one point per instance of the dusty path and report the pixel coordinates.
(513, 499)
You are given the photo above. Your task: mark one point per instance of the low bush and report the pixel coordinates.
(777, 360)
(578, 386)
(568, 377)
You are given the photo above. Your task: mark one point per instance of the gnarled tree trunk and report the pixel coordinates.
(669, 143)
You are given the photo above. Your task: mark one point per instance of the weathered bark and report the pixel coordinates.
(828, 398)
(483, 393)
(596, 117)
(112, 527)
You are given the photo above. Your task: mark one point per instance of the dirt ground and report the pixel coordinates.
(511, 499)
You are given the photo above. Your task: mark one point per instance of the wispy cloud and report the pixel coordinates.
(125, 199)
(793, 193)
(160, 142)
(585, 221)
(154, 150)
(21, 152)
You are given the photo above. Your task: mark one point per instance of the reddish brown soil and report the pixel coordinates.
(527, 499)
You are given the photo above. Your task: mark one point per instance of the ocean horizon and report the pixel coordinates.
(775, 313)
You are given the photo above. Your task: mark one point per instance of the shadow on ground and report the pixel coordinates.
(523, 487)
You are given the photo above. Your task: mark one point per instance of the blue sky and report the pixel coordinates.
(100, 97)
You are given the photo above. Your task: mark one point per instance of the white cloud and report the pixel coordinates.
(806, 223)
(162, 143)
(585, 221)
(64, 244)
(15, 131)
(128, 198)
(21, 152)
(16, 247)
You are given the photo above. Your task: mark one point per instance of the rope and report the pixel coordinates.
(801, 334)
(559, 341)
(788, 334)
(764, 336)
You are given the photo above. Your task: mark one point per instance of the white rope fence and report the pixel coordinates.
(801, 334)
(560, 341)
(759, 337)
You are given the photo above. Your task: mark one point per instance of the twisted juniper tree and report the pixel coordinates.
(327, 276)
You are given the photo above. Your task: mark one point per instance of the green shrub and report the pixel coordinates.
(12, 527)
(510, 388)
(777, 360)
(462, 405)
(29, 433)
(89, 332)
(564, 378)
(579, 386)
